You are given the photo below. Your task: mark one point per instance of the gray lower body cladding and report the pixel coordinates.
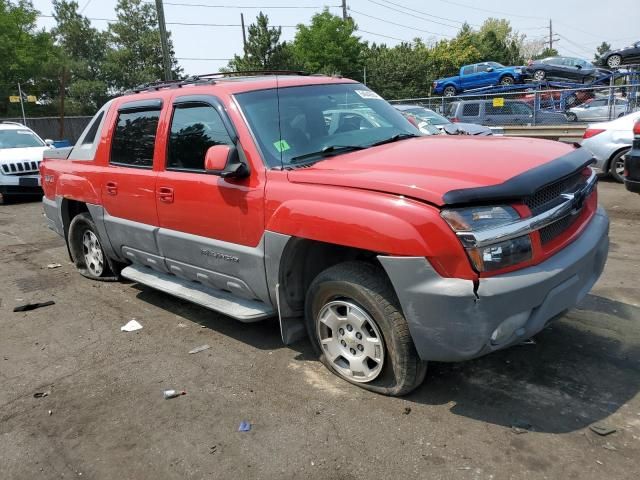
(449, 322)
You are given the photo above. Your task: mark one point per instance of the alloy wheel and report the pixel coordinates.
(350, 340)
(92, 251)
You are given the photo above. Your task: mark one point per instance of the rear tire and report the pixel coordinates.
(616, 166)
(357, 327)
(86, 250)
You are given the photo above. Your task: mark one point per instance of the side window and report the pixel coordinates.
(468, 70)
(491, 110)
(520, 109)
(134, 138)
(194, 128)
(471, 110)
(90, 136)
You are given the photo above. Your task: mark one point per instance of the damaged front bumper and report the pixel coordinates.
(449, 321)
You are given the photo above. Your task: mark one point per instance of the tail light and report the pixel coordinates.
(455, 119)
(592, 132)
(636, 128)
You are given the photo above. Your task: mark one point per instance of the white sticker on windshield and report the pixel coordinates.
(368, 94)
(23, 132)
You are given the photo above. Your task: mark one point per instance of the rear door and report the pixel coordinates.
(129, 182)
(211, 228)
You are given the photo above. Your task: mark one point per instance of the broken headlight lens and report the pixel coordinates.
(501, 255)
(478, 218)
(498, 255)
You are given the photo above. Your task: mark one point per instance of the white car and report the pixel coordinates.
(20, 156)
(610, 142)
(597, 109)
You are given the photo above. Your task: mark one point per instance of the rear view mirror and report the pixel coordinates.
(223, 160)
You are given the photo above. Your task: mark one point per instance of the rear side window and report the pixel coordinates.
(194, 128)
(134, 138)
(90, 136)
(470, 110)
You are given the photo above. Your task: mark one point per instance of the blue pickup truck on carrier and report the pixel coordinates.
(478, 75)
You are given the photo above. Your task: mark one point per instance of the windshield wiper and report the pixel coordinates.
(395, 138)
(327, 151)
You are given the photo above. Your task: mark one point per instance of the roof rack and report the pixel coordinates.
(207, 79)
(7, 122)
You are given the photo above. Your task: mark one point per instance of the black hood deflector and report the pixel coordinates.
(525, 184)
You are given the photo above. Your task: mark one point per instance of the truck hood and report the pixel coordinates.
(427, 168)
(22, 154)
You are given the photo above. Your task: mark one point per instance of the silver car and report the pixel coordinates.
(597, 109)
(610, 142)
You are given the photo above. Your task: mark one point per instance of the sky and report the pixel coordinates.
(580, 25)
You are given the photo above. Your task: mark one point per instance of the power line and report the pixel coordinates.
(429, 14)
(491, 11)
(397, 24)
(177, 23)
(205, 5)
(412, 14)
(385, 36)
(207, 59)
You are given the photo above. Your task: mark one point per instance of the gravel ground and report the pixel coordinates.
(105, 417)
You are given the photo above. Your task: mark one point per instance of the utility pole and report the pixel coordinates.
(163, 41)
(344, 10)
(364, 74)
(244, 35)
(63, 86)
(550, 35)
(24, 119)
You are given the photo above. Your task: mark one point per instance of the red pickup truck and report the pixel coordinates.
(313, 200)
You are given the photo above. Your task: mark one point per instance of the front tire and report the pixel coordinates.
(450, 91)
(614, 61)
(358, 329)
(616, 166)
(507, 80)
(539, 75)
(86, 250)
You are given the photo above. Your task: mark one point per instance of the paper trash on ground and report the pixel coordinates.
(131, 326)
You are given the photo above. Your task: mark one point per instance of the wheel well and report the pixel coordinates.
(613, 155)
(302, 260)
(69, 209)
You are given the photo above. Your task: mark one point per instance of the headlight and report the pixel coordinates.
(479, 218)
(501, 255)
(497, 255)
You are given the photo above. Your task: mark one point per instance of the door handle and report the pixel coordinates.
(165, 194)
(112, 188)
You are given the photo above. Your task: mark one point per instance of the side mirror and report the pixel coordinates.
(223, 160)
(489, 69)
(579, 67)
(48, 142)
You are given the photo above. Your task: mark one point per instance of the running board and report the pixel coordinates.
(239, 308)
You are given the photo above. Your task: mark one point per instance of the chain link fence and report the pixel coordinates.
(535, 106)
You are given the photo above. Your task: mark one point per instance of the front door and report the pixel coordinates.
(211, 228)
(129, 181)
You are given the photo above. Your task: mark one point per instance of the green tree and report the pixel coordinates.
(135, 56)
(546, 52)
(398, 72)
(328, 46)
(79, 64)
(603, 48)
(24, 50)
(264, 50)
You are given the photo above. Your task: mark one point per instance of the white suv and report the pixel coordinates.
(20, 156)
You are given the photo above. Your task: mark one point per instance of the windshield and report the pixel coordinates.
(19, 139)
(295, 122)
(424, 115)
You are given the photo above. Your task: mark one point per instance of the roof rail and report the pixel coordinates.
(207, 78)
(7, 122)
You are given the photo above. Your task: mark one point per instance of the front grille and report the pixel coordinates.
(556, 229)
(24, 167)
(549, 196)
